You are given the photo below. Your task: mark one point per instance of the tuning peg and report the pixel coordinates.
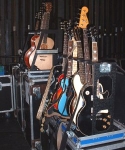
(104, 126)
(108, 123)
(104, 119)
(109, 116)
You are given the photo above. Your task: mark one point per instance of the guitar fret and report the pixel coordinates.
(41, 107)
(81, 71)
(69, 68)
(74, 63)
(65, 47)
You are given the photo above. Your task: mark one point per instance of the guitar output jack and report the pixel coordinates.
(87, 92)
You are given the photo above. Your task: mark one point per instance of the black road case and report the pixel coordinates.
(6, 94)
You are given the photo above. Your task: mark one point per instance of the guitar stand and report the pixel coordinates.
(111, 138)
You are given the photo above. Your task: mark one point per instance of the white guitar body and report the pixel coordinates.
(77, 86)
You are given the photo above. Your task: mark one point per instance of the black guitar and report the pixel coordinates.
(85, 116)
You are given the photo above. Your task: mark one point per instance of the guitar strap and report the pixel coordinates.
(65, 136)
(40, 40)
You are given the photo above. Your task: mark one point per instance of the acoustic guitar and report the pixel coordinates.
(44, 61)
(47, 43)
(33, 46)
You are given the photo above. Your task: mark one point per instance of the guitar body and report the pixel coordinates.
(30, 50)
(84, 116)
(55, 96)
(77, 86)
(48, 45)
(56, 104)
(58, 90)
(61, 104)
(55, 84)
(63, 99)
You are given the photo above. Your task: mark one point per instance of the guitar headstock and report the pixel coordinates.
(38, 18)
(83, 21)
(76, 33)
(48, 6)
(92, 32)
(67, 27)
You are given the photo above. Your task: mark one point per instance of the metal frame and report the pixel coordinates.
(11, 88)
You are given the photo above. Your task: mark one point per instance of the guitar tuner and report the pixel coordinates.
(109, 116)
(104, 119)
(108, 123)
(104, 126)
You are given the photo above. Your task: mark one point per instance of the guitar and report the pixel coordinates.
(47, 43)
(79, 79)
(42, 104)
(32, 48)
(75, 51)
(85, 114)
(53, 108)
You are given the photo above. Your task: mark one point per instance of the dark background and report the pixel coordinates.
(17, 17)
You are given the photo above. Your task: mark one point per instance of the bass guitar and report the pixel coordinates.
(82, 77)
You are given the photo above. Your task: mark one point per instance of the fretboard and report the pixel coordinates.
(86, 57)
(45, 24)
(94, 51)
(41, 107)
(81, 64)
(74, 63)
(65, 50)
(69, 68)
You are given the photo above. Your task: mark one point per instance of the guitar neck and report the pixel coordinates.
(65, 50)
(69, 68)
(74, 63)
(86, 47)
(94, 51)
(37, 24)
(86, 57)
(41, 107)
(81, 64)
(45, 25)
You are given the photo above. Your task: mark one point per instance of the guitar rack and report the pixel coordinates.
(113, 137)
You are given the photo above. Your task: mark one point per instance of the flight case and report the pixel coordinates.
(6, 94)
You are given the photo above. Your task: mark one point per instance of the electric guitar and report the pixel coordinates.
(59, 89)
(79, 79)
(75, 51)
(85, 114)
(43, 101)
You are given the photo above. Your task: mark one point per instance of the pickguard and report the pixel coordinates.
(77, 86)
